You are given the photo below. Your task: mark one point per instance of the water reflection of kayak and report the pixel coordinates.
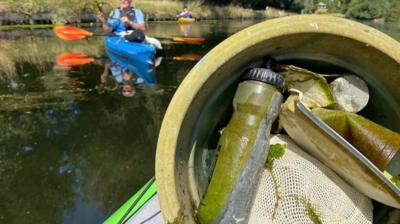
(144, 69)
(130, 51)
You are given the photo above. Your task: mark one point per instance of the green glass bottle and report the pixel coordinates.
(242, 147)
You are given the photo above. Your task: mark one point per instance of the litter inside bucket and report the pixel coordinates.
(202, 104)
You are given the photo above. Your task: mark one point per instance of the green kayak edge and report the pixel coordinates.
(137, 201)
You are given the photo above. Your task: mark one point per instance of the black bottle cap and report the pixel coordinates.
(265, 75)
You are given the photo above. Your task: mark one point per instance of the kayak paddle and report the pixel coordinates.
(75, 33)
(71, 33)
(70, 59)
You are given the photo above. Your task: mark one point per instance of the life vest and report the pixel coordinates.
(115, 22)
(187, 15)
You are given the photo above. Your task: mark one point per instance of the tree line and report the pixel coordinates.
(357, 9)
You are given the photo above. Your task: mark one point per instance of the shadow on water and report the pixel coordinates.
(72, 151)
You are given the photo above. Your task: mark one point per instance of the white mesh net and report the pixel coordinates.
(300, 189)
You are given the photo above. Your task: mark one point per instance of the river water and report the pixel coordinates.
(73, 149)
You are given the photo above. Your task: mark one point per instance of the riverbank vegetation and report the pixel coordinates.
(70, 11)
(356, 9)
(67, 11)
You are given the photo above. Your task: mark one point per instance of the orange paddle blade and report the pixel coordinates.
(71, 33)
(73, 59)
(190, 40)
(187, 57)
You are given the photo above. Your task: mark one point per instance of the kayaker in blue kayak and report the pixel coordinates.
(124, 19)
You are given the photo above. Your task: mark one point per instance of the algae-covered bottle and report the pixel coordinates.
(242, 148)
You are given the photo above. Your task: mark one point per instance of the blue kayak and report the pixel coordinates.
(130, 51)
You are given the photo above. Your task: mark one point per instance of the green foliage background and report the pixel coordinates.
(65, 10)
(368, 9)
(357, 9)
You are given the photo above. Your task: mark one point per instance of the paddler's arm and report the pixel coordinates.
(104, 76)
(103, 18)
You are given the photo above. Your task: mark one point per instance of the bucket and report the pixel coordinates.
(201, 106)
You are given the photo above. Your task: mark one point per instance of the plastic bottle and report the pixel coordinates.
(242, 148)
